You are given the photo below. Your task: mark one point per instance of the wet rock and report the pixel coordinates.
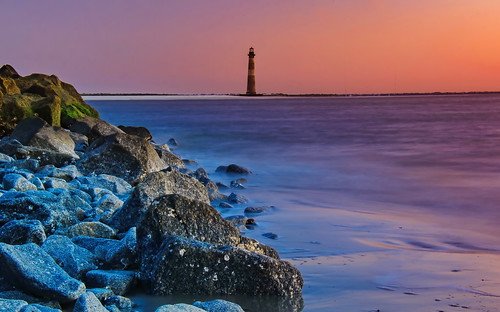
(194, 267)
(153, 186)
(190, 162)
(88, 302)
(240, 220)
(213, 192)
(14, 181)
(75, 260)
(180, 307)
(234, 198)
(258, 209)
(126, 156)
(173, 142)
(169, 158)
(225, 205)
(221, 185)
(218, 306)
(234, 169)
(119, 302)
(92, 229)
(237, 185)
(101, 293)
(120, 282)
(270, 235)
(137, 131)
(33, 270)
(12, 305)
(18, 232)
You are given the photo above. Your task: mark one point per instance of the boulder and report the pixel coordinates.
(38, 308)
(51, 210)
(33, 270)
(179, 307)
(101, 293)
(169, 158)
(7, 71)
(12, 305)
(19, 295)
(31, 155)
(75, 260)
(120, 282)
(93, 128)
(35, 132)
(137, 131)
(92, 229)
(234, 198)
(14, 181)
(233, 169)
(187, 266)
(120, 302)
(88, 302)
(18, 232)
(154, 185)
(5, 159)
(116, 185)
(126, 156)
(218, 306)
(8, 86)
(257, 209)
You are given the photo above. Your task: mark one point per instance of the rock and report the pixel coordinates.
(119, 302)
(42, 156)
(179, 307)
(120, 282)
(88, 302)
(124, 253)
(8, 86)
(14, 181)
(66, 173)
(52, 211)
(137, 131)
(237, 185)
(116, 185)
(93, 128)
(18, 232)
(92, 229)
(186, 266)
(126, 156)
(173, 142)
(12, 305)
(218, 306)
(153, 186)
(240, 220)
(81, 141)
(225, 205)
(235, 169)
(8, 71)
(257, 209)
(221, 185)
(38, 308)
(38, 183)
(101, 293)
(190, 162)
(271, 235)
(75, 260)
(37, 133)
(234, 198)
(213, 192)
(33, 270)
(55, 183)
(169, 158)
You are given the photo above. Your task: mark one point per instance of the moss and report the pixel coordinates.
(49, 109)
(8, 86)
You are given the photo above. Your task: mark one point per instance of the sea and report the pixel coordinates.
(384, 203)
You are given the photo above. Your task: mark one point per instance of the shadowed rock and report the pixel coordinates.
(88, 302)
(18, 232)
(137, 131)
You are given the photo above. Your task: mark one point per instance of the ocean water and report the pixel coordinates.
(391, 199)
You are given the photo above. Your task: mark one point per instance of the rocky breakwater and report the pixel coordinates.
(90, 212)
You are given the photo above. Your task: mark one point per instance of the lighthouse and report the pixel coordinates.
(251, 73)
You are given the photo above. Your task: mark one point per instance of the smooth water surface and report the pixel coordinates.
(373, 195)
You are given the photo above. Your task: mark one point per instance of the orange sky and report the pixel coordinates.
(314, 46)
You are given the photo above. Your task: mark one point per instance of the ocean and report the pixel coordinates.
(383, 203)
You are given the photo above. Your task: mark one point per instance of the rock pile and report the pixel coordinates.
(91, 212)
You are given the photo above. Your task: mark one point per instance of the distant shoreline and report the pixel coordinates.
(298, 95)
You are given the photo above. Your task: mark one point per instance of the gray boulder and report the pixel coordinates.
(9, 305)
(75, 260)
(218, 306)
(154, 185)
(92, 229)
(88, 302)
(114, 184)
(37, 133)
(34, 271)
(189, 266)
(30, 165)
(126, 156)
(101, 293)
(180, 307)
(93, 128)
(120, 282)
(137, 131)
(53, 211)
(18, 232)
(169, 158)
(15, 181)
(234, 169)
(120, 302)
(42, 156)
(237, 199)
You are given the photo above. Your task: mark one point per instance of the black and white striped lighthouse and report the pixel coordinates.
(251, 73)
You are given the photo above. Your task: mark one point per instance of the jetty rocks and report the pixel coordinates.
(91, 212)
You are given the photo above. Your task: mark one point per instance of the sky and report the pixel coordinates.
(308, 46)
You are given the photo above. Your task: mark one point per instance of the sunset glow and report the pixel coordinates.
(319, 46)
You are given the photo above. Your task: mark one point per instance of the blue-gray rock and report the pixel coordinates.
(66, 173)
(180, 307)
(38, 183)
(116, 185)
(101, 293)
(225, 205)
(17, 182)
(120, 302)
(173, 142)
(218, 306)
(8, 305)
(75, 260)
(234, 169)
(88, 302)
(257, 209)
(153, 186)
(237, 199)
(91, 229)
(34, 271)
(120, 282)
(49, 182)
(26, 164)
(169, 158)
(93, 128)
(5, 158)
(18, 295)
(38, 308)
(52, 211)
(189, 266)
(18, 232)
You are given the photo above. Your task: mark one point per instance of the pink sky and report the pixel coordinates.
(313, 46)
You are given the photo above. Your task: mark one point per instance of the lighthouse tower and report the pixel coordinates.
(251, 73)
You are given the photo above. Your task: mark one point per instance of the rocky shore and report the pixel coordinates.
(90, 212)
